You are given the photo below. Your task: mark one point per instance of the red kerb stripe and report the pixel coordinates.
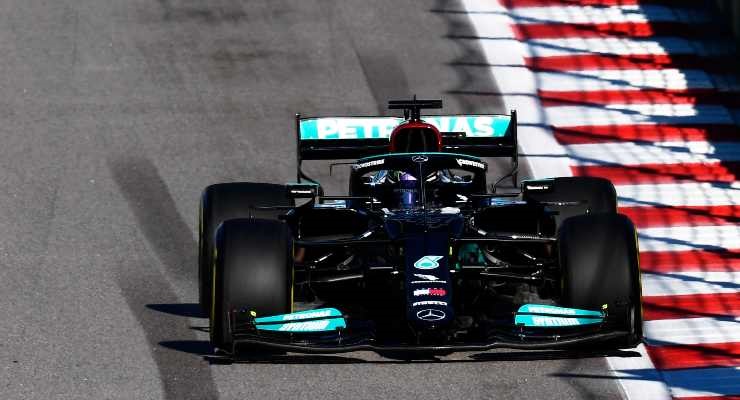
(612, 29)
(663, 173)
(648, 217)
(651, 133)
(602, 97)
(695, 260)
(580, 62)
(695, 356)
(715, 305)
(730, 397)
(545, 3)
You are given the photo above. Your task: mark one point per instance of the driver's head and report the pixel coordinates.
(407, 190)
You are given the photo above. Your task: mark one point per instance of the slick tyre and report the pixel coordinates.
(253, 273)
(597, 194)
(599, 265)
(226, 201)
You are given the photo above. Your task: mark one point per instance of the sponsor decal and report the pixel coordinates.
(554, 321)
(431, 315)
(470, 163)
(554, 316)
(537, 187)
(321, 320)
(305, 326)
(427, 277)
(428, 282)
(427, 262)
(429, 303)
(555, 310)
(419, 159)
(367, 164)
(430, 292)
(551, 310)
(307, 315)
(381, 127)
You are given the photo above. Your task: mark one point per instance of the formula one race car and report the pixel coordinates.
(421, 255)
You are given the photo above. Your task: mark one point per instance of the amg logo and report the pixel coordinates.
(470, 163)
(369, 164)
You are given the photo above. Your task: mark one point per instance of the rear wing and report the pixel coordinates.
(341, 138)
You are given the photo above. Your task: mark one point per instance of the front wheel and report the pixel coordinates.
(253, 274)
(599, 265)
(224, 201)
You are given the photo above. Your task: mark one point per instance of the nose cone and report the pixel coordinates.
(428, 283)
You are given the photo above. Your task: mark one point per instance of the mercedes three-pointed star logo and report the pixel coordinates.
(430, 314)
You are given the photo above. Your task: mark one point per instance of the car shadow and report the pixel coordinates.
(188, 310)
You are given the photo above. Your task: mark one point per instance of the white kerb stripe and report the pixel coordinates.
(638, 377)
(631, 153)
(703, 382)
(694, 282)
(625, 46)
(628, 79)
(637, 114)
(691, 331)
(677, 194)
(601, 15)
(686, 238)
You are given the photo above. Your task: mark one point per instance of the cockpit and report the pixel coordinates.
(413, 180)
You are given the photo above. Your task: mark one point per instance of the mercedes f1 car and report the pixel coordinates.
(422, 254)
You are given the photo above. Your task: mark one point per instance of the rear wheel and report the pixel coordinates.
(596, 194)
(599, 265)
(253, 273)
(224, 201)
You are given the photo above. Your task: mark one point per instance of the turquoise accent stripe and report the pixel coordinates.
(381, 127)
(547, 316)
(319, 320)
(555, 310)
(296, 316)
(321, 325)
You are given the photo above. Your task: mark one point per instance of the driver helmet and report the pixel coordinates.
(408, 190)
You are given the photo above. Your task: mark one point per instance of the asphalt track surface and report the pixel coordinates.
(116, 114)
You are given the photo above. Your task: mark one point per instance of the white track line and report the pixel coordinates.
(637, 375)
(601, 15)
(630, 153)
(692, 331)
(694, 282)
(628, 79)
(703, 382)
(683, 238)
(677, 194)
(635, 114)
(535, 137)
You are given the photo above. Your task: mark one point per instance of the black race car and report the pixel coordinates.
(421, 255)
